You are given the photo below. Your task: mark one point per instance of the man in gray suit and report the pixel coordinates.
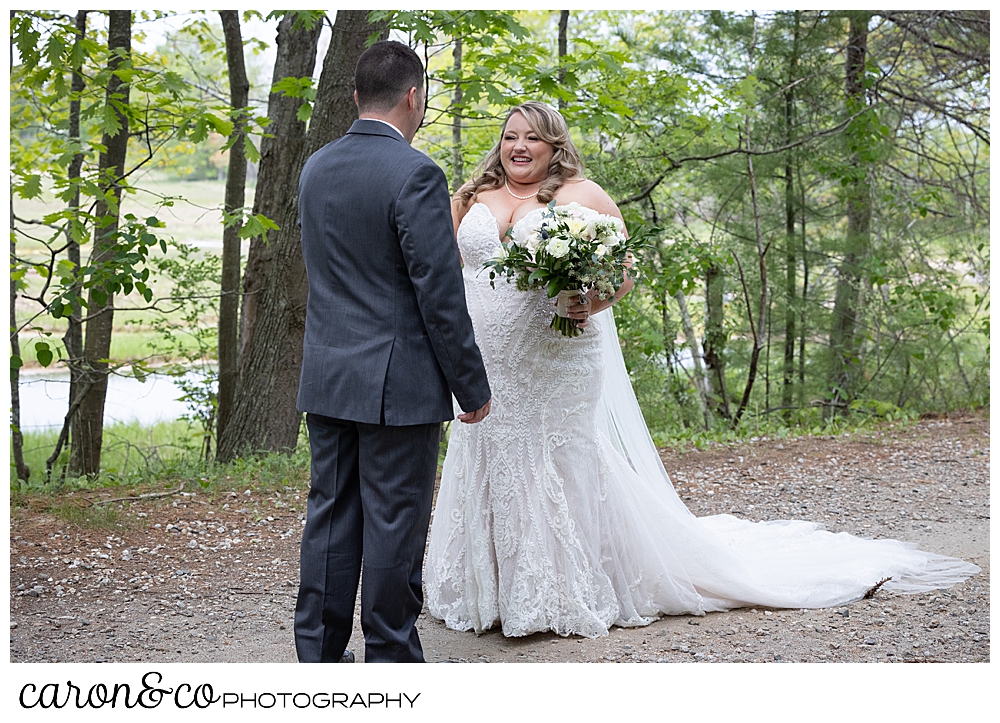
(388, 341)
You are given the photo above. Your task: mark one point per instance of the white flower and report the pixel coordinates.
(500, 253)
(600, 250)
(571, 208)
(576, 226)
(521, 232)
(534, 241)
(558, 247)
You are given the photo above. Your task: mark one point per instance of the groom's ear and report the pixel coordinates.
(356, 100)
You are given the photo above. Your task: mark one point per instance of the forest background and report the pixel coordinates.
(819, 181)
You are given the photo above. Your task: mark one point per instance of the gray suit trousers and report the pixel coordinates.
(368, 511)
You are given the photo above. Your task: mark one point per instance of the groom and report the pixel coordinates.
(388, 341)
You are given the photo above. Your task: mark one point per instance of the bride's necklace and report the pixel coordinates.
(519, 198)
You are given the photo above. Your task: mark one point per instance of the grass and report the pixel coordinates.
(195, 219)
(131, 454)
(138, 459)
(753, 428)
(195, 215)
(125, 346)
(95, 517)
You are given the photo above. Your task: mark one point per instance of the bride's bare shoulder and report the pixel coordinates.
(589, 194)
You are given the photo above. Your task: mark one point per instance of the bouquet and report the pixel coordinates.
(569, 251)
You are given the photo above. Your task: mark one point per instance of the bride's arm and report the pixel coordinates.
(593, 196)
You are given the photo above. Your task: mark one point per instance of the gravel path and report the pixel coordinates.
(203, 577)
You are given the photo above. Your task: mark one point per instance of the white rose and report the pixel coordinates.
(576, 226)
(521, 232)
(558, 247)
(534, 241)
(569, 207)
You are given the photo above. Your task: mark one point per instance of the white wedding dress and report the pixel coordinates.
(555, 512)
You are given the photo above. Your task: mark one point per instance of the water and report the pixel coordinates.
(45, 397)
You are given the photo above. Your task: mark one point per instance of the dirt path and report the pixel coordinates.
(211, 577)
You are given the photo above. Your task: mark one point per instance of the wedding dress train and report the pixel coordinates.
(555, 512)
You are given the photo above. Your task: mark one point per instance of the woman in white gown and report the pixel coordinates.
(555, 512)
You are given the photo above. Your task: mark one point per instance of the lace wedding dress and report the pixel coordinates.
(555, 512)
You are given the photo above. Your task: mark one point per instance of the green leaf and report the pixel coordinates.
(257, 225)
(16, 362)
(222, 126)
(110, 124)
(31, 187)
(42, 353)
(54, 50)
(173, 82)
(295, 88)
(252, 154)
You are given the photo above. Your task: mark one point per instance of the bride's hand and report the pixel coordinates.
(581, 312)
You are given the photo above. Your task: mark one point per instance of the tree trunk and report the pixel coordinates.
(229, 299)
(715, 341)
(805, 294)
(788, 372)
(845, 342)
(16, 438)
(334, 110)
(264, 416)
(692, 343)
(73, 338)
(764, 303)
(563, 47)
(88, 425)
(457, 165)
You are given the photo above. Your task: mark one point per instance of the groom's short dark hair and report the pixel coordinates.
(385, 72)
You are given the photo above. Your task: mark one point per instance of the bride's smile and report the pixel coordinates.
(525, 156)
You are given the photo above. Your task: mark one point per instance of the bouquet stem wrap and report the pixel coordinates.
(561, 321)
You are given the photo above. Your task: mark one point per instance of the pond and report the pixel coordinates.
(45, 396)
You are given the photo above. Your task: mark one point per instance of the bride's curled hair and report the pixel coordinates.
(551, 128)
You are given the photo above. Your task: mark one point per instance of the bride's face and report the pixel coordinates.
(525, 157)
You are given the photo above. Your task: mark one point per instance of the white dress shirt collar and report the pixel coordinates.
(388, 124)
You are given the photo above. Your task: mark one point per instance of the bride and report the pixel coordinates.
(555, 512)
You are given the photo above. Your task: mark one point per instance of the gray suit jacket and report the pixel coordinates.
(388, 335)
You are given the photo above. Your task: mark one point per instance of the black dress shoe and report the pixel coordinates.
(347, 657)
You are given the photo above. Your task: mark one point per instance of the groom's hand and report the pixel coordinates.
(476, 416)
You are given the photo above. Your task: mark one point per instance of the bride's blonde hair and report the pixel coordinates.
(549, 125)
